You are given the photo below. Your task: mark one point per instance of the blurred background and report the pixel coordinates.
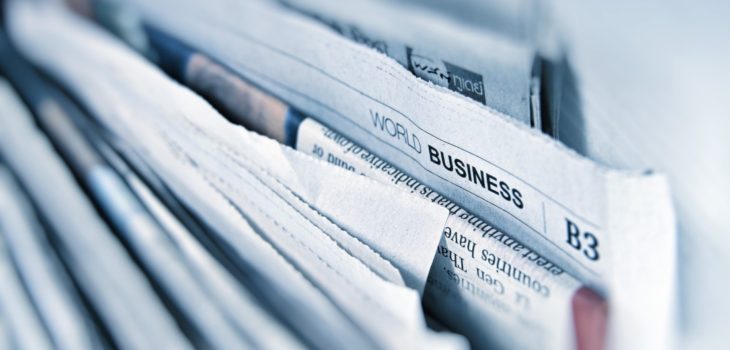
(645, 88)
(654, 80)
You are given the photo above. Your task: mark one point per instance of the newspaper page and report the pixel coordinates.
(594, 222)
(212, 163)
(261, 329)
(486, 68)
(114, 285)
(536, 297)
(38, 266)
(479, 270)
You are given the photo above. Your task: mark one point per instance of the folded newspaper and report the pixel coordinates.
(291, 174)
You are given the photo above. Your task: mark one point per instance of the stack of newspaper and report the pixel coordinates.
(310, 174)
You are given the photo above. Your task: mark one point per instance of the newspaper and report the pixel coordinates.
(5, 336)
(479, 271)
(201, 157)
(531, 295)
(27, 328)
(238, 304)
(49, 288)
(113, 284)
(595, 222)
(25, 325)
(501, 73)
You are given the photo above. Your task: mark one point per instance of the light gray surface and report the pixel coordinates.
(653, 76)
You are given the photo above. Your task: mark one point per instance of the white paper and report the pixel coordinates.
(47, 285)
(566, 200)
(477, 64)
(525, 309)
(5, 337)
(238, 305)
(115, 286)
(175, 131)
(27, 327)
